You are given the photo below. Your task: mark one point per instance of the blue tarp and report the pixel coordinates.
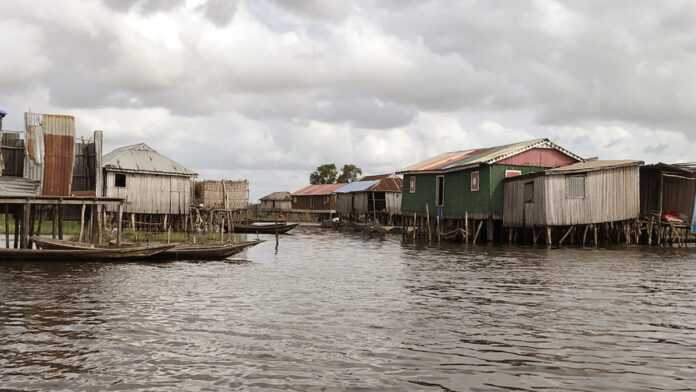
(357, 186)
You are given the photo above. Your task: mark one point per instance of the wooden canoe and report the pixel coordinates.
(205, 252)
(173, 252)
(86, 254)
(280, 228)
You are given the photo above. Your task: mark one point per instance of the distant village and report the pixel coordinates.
(533, 192)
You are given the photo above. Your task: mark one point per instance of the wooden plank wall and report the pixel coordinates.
(211, 195)
(152, 194)
(393, 202)
(610, 195)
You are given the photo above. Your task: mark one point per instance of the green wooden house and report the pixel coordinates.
(469, 183)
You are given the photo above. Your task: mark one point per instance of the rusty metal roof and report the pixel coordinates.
(317, 190)
(389, 184)
(277, 196)
(471, 158)
(141, 158)
(375, 177)
(593, 165)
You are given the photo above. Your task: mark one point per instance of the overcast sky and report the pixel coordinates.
(269, 89)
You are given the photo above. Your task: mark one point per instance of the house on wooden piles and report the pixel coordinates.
(157, 189)
(38, 170)
(465, 187)
(276, 202)
(591, 196)
(667, 197)
(224, 194)
(373, 198)
(315, 202)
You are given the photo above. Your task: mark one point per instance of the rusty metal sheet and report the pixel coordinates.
(317, 190)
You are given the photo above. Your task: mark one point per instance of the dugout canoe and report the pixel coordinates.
(85, 254)
(280, 228)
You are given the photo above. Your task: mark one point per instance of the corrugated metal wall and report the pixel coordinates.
(50, 140)
(610, 195)
(152, 194)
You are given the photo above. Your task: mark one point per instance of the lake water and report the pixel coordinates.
(332, 311)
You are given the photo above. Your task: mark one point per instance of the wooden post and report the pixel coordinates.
(17, 226)
(25, 226)
(549, 239)
(427, 215)
(119, 228)
(437, 221)
(82, 222)
(54, 221)
(565, 235)
(414, 227)
(596, 239)
(100, 226)
(478, 230)
(60, 222)
(38, 228)
(7, 226)
(466, 227)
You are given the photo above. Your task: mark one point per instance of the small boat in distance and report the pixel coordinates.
(173, 252)
(251, 228)
(84, 254)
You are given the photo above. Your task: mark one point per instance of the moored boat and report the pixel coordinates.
(173, 252)
(280, 228)
(83, 254)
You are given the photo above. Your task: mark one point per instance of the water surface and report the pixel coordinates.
(343, 312)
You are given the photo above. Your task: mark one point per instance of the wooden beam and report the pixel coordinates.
(82, 223)
(26, 213)
(119, 228)
(7, 226)
(478, 230)
(565, 235)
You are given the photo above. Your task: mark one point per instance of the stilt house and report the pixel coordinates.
(468, 184)
(372, 198)
(581, 194)
(668, 192)
(276, 202)
(318, 201)
(151, 183)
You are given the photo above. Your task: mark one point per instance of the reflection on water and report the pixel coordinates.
(343, 312)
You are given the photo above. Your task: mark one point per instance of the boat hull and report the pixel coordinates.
(90, 254)
(264, 229)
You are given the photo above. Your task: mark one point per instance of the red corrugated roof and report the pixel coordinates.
(317, 190)
(390, 184)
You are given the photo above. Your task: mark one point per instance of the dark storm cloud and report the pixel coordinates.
(274, 83)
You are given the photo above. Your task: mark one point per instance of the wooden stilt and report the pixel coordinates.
(478, 230)
(466, 227)
(54, 221)
(584, 235)
(82, 222)
(549, 239)
(26, 214)
(437, 220)
(560, 242)
(17, 226)
(119, 223)
(7, 226)
(60, 221)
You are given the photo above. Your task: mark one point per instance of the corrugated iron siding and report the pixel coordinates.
(12, 154)
(59, 142)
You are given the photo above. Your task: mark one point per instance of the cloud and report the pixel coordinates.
(254, 88)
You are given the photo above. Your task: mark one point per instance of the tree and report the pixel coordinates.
(349, 173)
(325, 174)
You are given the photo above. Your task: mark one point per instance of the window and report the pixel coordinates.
(475, 183)
(439, 191)
(512, 173)
(120, 180)
(412, 184)
(529, 192)
(575, 187)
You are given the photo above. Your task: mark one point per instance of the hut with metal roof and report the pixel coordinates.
(667, 199)
(376, 198)
(151, 184)
(276, 202)
(582, 195)
(318, 202)
(464, 187)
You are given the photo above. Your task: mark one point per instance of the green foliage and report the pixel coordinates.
(349, 173)
(324, 174)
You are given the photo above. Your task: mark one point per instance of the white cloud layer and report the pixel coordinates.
(268, 89)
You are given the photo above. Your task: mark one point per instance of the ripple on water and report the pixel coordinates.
(331, 311)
